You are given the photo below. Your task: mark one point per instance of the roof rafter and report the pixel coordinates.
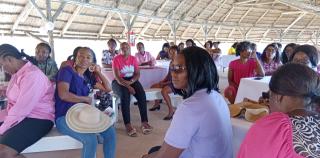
(23, 15)
(43, 17)
(107, 19)
(308, 25)
(137, 10)
(217, 10)
(70, 20)
(58, 12)
(294, 22)
(194, 18)
(155, 13)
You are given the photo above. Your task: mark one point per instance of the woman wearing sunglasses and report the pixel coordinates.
(290, 130)
(201, 125)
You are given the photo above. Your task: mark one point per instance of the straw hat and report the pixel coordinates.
(84, 118)
(235, 109)
(252, 115)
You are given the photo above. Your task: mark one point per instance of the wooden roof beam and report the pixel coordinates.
(39, 11)
(294, 22)
(217, 10)
(70, 20)
(22, 16)
(308, 25)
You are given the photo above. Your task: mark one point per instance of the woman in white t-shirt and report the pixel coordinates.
(201, 126)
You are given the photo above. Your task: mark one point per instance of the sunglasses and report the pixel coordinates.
(177, 68)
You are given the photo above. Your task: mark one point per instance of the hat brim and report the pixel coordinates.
(81, 127)
(253, 116)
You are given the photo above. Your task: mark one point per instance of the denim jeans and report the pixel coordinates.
(89, 140)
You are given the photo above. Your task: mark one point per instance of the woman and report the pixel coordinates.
(30, 107)
(181, 46)
(241, 68)
(108, 55)
(290, 130)
(190, 43)
(232, 49)
(163, 54)
(166, 88)
(126, 72)
(288, 50)
(201, 126)
(73, 86)
(270, 59)
(306, 55)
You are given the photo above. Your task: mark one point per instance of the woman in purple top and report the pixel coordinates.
(73, 86)
(201, 126)
(166, 88)
(270, 59)
(163, 54)
(30, 106)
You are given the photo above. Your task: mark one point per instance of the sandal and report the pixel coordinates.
(132, 133)
(146, 130)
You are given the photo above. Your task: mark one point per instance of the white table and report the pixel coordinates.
(251, 88)
(240, 128)
(148, 76)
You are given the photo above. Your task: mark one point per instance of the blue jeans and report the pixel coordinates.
(89, 140)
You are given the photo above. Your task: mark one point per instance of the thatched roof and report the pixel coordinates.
(220, 20)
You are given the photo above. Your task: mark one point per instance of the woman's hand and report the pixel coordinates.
(96, 69)
(131, 90)
(88, 100)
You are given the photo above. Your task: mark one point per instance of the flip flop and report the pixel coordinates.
(146, 130)
(132, 133)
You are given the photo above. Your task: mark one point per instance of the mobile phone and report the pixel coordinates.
(257, 78)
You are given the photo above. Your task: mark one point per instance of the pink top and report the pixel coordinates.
(30, 94)
(127, 67)
(241, 70)
(142, 58)
(271, 67)
(271, 136)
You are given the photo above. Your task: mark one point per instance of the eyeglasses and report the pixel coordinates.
(177, 68)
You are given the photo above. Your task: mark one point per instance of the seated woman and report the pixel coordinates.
(143, 57)
(241, 68)
(270, 59)
(201, 126)
(215, 52)
(30, 105)
(163, 54)
(287, 51)
(45, 62)
(306, 55)
(166, 88)
(290, 130)
(126, 72)
(73, 86)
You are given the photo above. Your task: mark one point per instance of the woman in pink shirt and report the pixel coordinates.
(290, 131)
(143, 57)
(241, 68)
(30, 107)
